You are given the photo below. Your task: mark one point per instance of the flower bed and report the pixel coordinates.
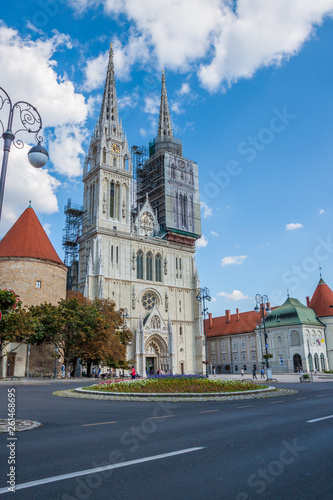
(174, 386)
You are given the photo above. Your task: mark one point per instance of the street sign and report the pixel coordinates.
(266, 346)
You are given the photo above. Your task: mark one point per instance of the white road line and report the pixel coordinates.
(86, 472)
(298, 399)
(99, 423)
(318, 419)
(245, 406)
(208, 411)
(276, 402)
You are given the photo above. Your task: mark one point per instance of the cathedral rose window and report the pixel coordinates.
(149, 300)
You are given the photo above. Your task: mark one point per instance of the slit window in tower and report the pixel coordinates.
(158, 267)
(112, 200)
(111, 254)
(139, 265)
(149, 266)
(117, 255)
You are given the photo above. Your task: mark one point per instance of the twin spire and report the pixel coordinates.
(164, 122)
(109, 108)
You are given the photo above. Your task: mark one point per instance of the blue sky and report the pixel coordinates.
(250, 89)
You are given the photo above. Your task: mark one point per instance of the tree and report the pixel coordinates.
(80, 328)
(16, 324)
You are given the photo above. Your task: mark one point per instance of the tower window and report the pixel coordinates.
(139, 265)
(158, 267)
(149, 266)
(117, 254)
(112, 199)
(38, 284)
(111, 254)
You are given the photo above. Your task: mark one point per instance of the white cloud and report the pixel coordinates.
(235, 295)
(321, 211)
(25, 183)
(236, 38)
(185, 89)
(59, 105)
(66, 149)
(213, 233)
(236, 259)
(201, 242)
(152, 104)
(293, 225)
(176, 107)
(207, 211)
(214, 299)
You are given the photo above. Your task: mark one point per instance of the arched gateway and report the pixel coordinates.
(156, 355)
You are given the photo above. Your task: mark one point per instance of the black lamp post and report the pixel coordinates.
(29, 121)
(203, 295)
(125, 317)
(262, 305)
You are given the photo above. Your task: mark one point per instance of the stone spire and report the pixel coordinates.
(164, 124)
(109, 109)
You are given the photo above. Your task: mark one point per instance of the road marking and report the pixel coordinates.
(99, 423)
(298, 399)
(276, 402)
(208, 411)
(321, 395)
(245, 406)
(318, 419)
(86, 472)
(163, 416)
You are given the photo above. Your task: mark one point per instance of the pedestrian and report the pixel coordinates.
(254, 373)
(133, 372)
(242, 372)
(69, 373)
(301, 372)
(93, 372)
(315, 371)
(262, 373)
(99, 373)
(63, 368)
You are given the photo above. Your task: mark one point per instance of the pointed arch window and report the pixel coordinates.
(158, 267)
(322, 361)
(104, 155)
(112, 200)
(139, 265)
(149, 266)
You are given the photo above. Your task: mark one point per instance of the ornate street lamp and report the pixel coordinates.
(30, 121)
(203, 295)
(262, 305)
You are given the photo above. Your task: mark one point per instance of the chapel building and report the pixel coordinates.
(137, 246)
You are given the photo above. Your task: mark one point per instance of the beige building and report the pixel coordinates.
(30, 266)
(138, 238)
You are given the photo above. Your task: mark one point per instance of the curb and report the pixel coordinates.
(173, 394)
(254, 395)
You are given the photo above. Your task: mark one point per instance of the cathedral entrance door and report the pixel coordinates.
(150, 366)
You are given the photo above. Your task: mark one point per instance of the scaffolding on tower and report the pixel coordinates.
(74, 215)
(139, 156)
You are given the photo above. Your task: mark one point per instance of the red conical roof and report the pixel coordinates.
(27, 238)
(322, 300)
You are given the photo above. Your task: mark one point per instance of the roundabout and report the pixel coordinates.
(175, 389)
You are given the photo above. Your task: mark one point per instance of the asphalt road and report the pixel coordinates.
(248, 449)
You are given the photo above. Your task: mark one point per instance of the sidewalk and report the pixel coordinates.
(280, 377)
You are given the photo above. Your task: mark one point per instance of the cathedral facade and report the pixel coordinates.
(137, 246)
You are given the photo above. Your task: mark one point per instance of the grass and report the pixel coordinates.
(175, 386)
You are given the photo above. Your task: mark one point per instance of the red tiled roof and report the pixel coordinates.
(247, 321)
(27, 238)
(322, 299)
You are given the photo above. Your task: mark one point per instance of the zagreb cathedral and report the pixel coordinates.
(137, 246)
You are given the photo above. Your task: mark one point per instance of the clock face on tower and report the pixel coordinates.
(115, 148)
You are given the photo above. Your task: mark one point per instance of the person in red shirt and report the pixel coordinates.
(133, 372)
